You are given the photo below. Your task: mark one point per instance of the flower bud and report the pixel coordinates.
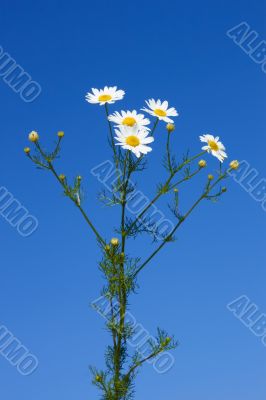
(115, 241)
(79, 178)
(224, 189)
(202, 164)
(27, 150)
(234, 164)
(60, 134)
(210, 177)
(98, 378)
(62, 177)
(107, 248)
(170, 127)
(33, 136)
(167, 341)
(175, 190)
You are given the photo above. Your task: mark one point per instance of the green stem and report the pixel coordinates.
(168, 153)
(122, 290)
(184, 179)
(172, 175)
(154, 126)
(111, 135)
(152, 355)
(99, 237)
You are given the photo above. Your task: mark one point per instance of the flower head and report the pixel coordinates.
(33, 136)
(60, 134)
(160, 110)
(134, 139)
(27, 150)
(210, 177)
(214, 146)
(234, 164)
(129, 118)
(106, 95)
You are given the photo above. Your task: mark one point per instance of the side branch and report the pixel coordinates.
(169, 237)
(167, 183)
(99, 237)
(46, 163)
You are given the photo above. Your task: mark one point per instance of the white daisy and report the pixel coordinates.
(160, 110)
(106, 95)
(129, 118)
(134, 139)
(214, 146)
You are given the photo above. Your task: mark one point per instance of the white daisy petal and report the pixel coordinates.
(129, 118)
(147, 140)
(165, 105)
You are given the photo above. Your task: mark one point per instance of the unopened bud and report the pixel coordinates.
(60, 134)
(234, 164)
(167, 341)
(33, 136)
(27, 150)
(62, 177)
(115, 241)
(210, 177)
(170, 127)
(202, 164)
(98, 378)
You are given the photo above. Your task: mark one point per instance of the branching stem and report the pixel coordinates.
(168, 181)
(168, 238)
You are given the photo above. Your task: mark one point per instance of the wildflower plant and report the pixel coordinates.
(131, 135)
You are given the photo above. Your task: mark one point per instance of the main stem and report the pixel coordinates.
(122, 289)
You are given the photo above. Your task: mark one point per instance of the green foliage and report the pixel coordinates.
(120, 269)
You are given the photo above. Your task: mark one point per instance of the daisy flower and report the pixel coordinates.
(129, 118)
(106, 95)
(134, 139)
(214, 146)
(160, 110)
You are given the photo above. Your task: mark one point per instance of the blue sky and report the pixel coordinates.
(171, 50)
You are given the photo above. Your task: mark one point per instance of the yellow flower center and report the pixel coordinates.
(160, 113)
(213, 145)
(129, 121)
(104, 97)
(132, 141)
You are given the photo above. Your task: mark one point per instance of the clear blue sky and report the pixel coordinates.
(171, 50)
